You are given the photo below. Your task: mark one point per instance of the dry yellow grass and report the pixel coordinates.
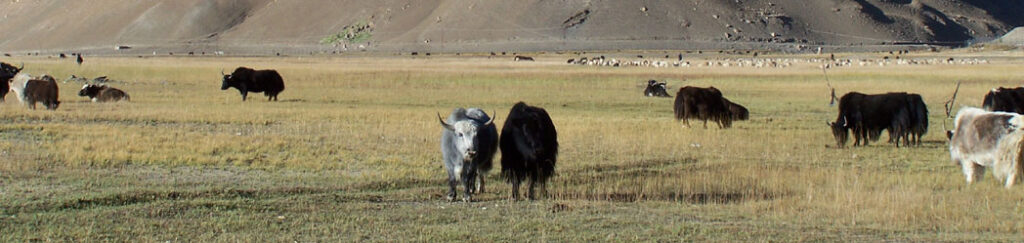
(351, 153)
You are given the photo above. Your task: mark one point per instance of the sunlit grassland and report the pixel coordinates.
(350, 152)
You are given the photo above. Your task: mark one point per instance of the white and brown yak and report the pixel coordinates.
(30, 90)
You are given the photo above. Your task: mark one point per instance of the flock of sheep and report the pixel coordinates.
(773, 62)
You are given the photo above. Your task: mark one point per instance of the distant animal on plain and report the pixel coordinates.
(983, 139)
(249, 80)
(529, 148)
(79, 59)
(706, 104)
(103, 93)
(32, 90)
(655, 89)
(469, 141)
(523, 58)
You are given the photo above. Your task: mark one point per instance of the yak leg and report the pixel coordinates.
(865, 137)
(544, 189)
(468, 182)
(1011, 177)
(895, 138)
(479, 184)
(244, 93)
(530, 194)
(973, 171)
(452, 183)
(515, 189)
(856, 137)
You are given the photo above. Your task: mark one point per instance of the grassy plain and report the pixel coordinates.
(350, 153)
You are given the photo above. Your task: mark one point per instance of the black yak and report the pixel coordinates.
(248, 80)
(7, 72)
(1005, 99)
(707, 104)
(903, 115)
(529, 148)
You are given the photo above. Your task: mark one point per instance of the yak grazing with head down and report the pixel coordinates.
(7, 72)
(30, 90)
(904, 115)
(468, 143)
(103, 93)
(248, 80)
(707, 104)
(529, 148)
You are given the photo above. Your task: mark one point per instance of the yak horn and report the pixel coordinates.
(444, 124)
(222, 72)
(952, 101)
(491, 121)
(22, 66)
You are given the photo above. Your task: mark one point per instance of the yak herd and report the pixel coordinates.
(990, 137)
(44, 89)
(528, 145)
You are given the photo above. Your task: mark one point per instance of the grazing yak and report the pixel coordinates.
(707, 104)
(7, 72)
(655, 89)
(529, 148)
(30, 90)
(988, 139)
(103, 93)
(469, 141)
(248, 80)
(903, 115)
(1005, 99)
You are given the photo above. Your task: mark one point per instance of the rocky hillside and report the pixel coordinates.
(269, 26)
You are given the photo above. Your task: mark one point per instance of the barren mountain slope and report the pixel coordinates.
(259, 25)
